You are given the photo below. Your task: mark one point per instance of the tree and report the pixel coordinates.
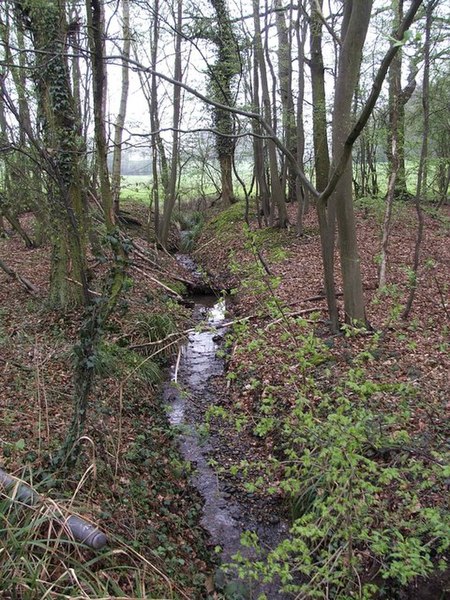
(222, 73)
(63, 149)
(353, 33)
(97, 315)
(170, 199)
(275, 184)
(288, 116)
(121, 114)
(421, 174)
(398, 98)
(322, 157)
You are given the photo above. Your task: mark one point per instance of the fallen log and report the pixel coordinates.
(31, 288)
(80, 529)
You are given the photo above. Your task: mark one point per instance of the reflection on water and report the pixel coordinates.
(224, 518)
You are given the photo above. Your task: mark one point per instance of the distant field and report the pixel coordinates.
(136, 187)
(194, 183)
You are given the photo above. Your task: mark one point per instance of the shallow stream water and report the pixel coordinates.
(188, 395)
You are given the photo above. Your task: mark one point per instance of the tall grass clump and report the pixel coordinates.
(39, 559)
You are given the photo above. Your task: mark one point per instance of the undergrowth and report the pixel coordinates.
(364, 491)
(114, 361)
(40, 559)
(129, 476)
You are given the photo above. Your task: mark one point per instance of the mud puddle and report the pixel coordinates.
(188, 394)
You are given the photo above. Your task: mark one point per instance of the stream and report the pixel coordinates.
(188, 394)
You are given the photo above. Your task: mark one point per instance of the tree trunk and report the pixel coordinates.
(169, 201)
(222, 74)
(275, 184)
(396, 127)
(288, 117)
(354, 30)
(423, 156)
(258, 146)
(301, 195)
(322, 160)
(92, 329)
(65, 153)
(120, 120)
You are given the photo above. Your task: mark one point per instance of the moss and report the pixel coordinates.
(228, 218)
(274, 242)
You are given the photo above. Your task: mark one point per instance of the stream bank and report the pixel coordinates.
(195, 382)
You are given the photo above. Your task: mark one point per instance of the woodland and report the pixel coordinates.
(289, 165)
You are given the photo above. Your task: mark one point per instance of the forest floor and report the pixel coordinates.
(282, 359)
(130, 480)
(127, 485)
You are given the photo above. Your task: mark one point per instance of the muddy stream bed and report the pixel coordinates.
(188, 394)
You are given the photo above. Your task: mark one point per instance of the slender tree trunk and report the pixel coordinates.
(276, 190)
(160, 166)
(388, 211)
(288, 118)
(18, 168)
(258, 146)
(423, 156)
(169, 202)
(121, 115)
(301, 196)
(95, 20)
(397, 188)
(154, 122)
(322, 160)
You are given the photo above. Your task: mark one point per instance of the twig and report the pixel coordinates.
(297, 313)
(200, 248)
(80, 284)
(441, 294)
(177, 365)
(16, 364)
(119, 432)
(142, 253)
(166, 287)
(180, 334)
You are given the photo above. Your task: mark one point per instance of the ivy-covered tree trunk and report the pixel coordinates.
(64, 151)
(225, 69)
(98, 313)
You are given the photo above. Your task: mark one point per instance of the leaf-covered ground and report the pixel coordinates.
(289, 382)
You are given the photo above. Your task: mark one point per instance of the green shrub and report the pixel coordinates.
(358, 483)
